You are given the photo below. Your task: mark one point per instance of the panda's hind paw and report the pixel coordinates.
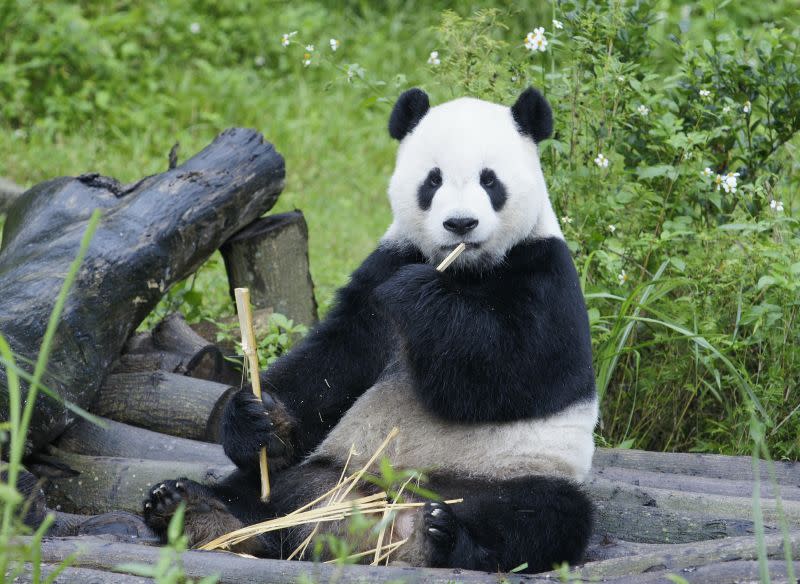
(164, 498)
(440, 527)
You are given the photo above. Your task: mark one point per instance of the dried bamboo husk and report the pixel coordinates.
(336, 508)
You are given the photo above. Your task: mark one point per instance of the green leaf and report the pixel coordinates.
(765, 281)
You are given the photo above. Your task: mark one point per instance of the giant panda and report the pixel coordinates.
(485, 368)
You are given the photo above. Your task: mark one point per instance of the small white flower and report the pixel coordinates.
(309, 48)
(622, 277)
(726, 109)
(286, 38)
(707, 172)
(612, 228)
(643, 110)
(621, 79)
(514, 79)
(558, 24)
(20, 134)
(705, 93)
(536, 41)
(727, 182)
(566, 219)
(747, 107)
(194, 28)
(776, 206)
(434, 58)
(259, 61)
(688, 155)
(306, 59)
(334, 44)
(601, 160)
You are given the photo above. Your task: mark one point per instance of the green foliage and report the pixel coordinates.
(691, 276)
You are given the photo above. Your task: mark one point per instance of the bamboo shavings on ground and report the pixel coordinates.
(336, 509)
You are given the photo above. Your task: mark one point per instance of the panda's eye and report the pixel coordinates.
(434, 178)
(488, 177)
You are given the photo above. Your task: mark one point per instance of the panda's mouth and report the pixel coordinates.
(469, 245)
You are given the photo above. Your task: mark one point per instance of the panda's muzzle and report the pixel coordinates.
(460, 225)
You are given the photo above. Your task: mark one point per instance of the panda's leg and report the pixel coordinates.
(501, 525)
(212, 511)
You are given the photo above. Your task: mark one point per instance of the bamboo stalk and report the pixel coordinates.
(249, 349)
(451, 257)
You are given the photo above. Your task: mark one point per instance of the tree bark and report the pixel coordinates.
(234, 569)
(678, 557)
(124, 441)
(717, 466)
(712, 506)
(165, 402)
(80, 576)
(152, 234)
(270, 257)
(203, 359)
(90, 485)
(694, 484)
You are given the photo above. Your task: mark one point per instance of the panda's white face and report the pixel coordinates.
(465, 173)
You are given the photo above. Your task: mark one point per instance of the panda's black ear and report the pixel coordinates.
(410, 108)
(533, 115)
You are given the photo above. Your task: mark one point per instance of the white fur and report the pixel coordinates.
(461, 138)
(561, 445)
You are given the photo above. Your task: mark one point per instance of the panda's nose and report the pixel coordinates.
(460, 225)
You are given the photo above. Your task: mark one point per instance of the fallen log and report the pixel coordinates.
(124, 441)
(165, 402)
(203, 359)
(679, 557)
(234, 569)
(270, 257)
(694, 484)
(78, 576)
(719, 573)
(717, 466)
(152, 234)
(90, 485)
(710, 505)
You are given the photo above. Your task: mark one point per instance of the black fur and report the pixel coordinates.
(499, 526)
(501, 344)
(512, 342)
(428, 188)
(410, 108)
(494, 187)
(533, 115)
(334, 365)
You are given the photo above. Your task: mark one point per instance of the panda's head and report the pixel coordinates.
(468, 170)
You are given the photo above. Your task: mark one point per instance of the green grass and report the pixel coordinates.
(693, 296)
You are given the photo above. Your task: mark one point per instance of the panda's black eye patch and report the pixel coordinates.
(494, 188)
(428, 188)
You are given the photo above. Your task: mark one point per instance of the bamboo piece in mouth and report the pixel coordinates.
(451, 257)
(245, 313)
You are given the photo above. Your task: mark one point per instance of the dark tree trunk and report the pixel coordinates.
(271, 258)
(165, 402)
(151, 235)
(124, 441)
(90, 485)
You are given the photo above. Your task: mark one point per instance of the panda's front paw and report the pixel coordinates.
(440, 528)
(407, 286)
(250, 424)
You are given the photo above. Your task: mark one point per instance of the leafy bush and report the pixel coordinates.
(673, 167)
